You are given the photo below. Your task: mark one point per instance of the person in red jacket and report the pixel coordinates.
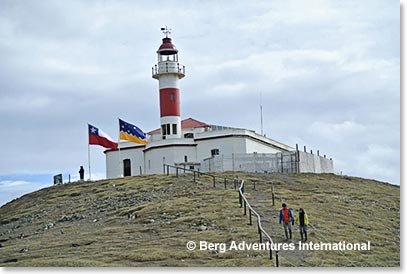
(287, 218)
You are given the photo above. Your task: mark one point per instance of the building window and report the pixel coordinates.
(214, 152)
(174, 128)
(189, 135)
(163, 129)
(126, 167)
(168, 129)
(191, 167)
(185, 158)
(172, 97)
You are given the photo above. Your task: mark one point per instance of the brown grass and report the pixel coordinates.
(172, 211)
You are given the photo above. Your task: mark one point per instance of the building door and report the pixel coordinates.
(126, 167)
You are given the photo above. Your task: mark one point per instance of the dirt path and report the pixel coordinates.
(260, 198)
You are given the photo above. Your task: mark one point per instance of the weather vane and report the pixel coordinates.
(166, 31)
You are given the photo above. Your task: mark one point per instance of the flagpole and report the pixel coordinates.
(120, 156)
(90, 173)
(89, 153)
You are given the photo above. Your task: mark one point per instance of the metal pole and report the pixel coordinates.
(240, 199)
(271, 253)
(176, 171)
(250, 216)
(163, 168)
(225, 183)
(276, 258)
(168, 170)
(244, 207)
(214, 181)
(89, 162)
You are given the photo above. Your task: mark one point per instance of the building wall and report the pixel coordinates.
(239, 150)
(226, 145)
(155, 158)
(259, 147)
(315, 164)
(284, 162)
(114, 165)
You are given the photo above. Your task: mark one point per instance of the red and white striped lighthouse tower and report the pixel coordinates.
(168, 71)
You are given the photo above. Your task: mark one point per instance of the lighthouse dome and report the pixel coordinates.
(167, 47)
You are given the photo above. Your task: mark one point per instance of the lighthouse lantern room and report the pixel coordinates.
(168, 71)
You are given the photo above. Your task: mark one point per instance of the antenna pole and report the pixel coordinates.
(261, 115)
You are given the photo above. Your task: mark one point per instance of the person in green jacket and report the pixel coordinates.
(302, 220)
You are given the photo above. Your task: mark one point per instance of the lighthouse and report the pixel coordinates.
(168, 72)
(196, 145)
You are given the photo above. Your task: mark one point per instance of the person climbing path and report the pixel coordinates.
(286, 217)
(302, 220)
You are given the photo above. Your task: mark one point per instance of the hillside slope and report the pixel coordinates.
(88, 224)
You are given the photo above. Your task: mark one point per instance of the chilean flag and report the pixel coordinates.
(98, 137)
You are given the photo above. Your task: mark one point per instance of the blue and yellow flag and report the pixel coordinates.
(131, 133)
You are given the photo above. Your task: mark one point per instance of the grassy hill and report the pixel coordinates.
(88, 224)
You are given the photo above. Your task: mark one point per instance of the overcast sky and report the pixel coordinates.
(328, 73)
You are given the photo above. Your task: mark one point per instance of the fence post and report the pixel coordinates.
(240, 199)
(225, 182)
(168, 170)
(194, 177)
(250, 216)
(163, 168)
(176, 171)
(244, 207)
(234, 183)
(276, 258)
(258, 228)
(272, 192)
(254, 185)
(271, 253)
(214, 181)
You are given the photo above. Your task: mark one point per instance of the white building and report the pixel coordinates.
(198, 145)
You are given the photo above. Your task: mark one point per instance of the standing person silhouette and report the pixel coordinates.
(81, 173)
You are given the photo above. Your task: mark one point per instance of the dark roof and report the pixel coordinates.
(185, 124)
(167, 47)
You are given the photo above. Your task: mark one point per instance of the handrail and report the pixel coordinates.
(242, 200)
(259, 226)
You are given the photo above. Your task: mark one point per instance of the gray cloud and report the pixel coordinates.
(328, 72)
